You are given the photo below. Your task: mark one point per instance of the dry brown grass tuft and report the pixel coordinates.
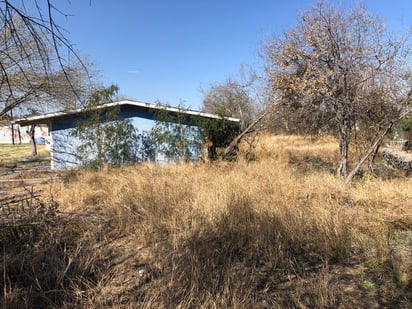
(279, 232)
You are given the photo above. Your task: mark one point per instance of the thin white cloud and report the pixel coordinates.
(133, 72)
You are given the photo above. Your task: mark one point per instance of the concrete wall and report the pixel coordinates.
(20, 134)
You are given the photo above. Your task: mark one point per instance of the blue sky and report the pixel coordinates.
(168, 50)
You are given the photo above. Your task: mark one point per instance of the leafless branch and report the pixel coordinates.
(31, 50)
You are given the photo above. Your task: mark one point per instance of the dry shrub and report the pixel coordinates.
(44, 258)
(226, 235)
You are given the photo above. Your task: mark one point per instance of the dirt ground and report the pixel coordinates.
(19, 170)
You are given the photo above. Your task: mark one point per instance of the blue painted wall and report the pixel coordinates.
(64, 144)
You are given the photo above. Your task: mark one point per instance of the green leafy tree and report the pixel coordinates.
(245, 98)
(176, 136)
(183, 137)
(145, 148)
(106, 138)
(406, 124)
(231, 99)
(216, 134)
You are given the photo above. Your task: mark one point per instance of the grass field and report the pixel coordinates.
(20, 153)
(279, 232)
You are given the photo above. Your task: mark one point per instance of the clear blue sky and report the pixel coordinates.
(168, 50)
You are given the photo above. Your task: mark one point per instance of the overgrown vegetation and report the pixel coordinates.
(175, 136)
(179, 137)
(280, 232)
(406, 124)
(340, 71)
(106, 138)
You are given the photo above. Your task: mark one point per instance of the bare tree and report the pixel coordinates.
(32, 65)
(243, 98)
(238, 97)
(341, 71)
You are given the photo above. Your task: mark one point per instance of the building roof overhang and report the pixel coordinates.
(47, 118)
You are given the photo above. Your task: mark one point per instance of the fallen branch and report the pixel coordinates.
(376, 144)
(231, 149)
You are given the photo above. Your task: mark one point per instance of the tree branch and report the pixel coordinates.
(232, 146)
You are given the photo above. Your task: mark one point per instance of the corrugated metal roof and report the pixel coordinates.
(45, 118)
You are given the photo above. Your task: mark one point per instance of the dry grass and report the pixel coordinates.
(17, 161)
(279, 232)
(10, 154)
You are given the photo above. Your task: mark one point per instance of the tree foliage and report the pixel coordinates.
(182, 137)
(230, 99)
(339, 71)
(108, 139)
(175, 136)
(244, 97)
(406, 124)
(217, 133)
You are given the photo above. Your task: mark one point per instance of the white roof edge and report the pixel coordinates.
(127, 102)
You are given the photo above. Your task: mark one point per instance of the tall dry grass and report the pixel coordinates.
(280, 232)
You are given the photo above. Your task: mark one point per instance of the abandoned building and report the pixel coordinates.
(64, 145)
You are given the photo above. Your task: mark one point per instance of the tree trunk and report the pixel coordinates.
(212, 151)
(378, 141)
(99, 145)
(344, 140)
(373, 159)
(19, 133)
(33, 141)
(12, 134)
(12, 127)
(372, 149)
